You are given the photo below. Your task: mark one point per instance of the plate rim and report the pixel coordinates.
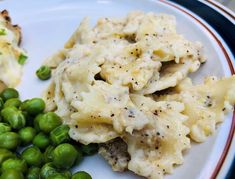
(178, 5)
(219, 6)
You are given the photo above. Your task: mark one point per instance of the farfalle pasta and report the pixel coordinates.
(124, 84)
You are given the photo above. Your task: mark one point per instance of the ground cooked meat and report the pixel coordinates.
(115, 152)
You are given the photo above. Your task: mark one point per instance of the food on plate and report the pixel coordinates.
(159, 145)
(33, 106)
(115, 152)
(12, 102)
(64, 156)
(14, 163)
(90, 149)
(49, 121)
(49, 171)
(130, 51)
(12, 173)
(41, 140)
(33, 156)
(9, 93)
(9, 140)
(59, 175)
(5, 154)
(4, 127)
(14, 117)
(81, 175)
(1, 103)
(205, 104)
(12, 32)
(12, 57)
(33, 172)
(27, 135)
(124, 85)
(60, 134)
(43, 73)
(46, 150)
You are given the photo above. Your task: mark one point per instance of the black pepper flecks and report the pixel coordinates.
(155, 112)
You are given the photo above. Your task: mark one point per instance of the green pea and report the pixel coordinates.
(47, 170)
(67, 173)
(36, 122)
(5, 154)
(81, 175)
(33, 156)
(33, 106)
(9, 140)
(9, 93)
(4, 127)
(12, 174)
(27, 134)
(12, 102)
(7, 112)
(1, 103)
(44, 72)
(60, 134)
(16, 120)
(90, 149)
(33, 173)
(64, 156)
(48, 153)
(24, 105)
(41, 140)
(58, 176)
(29, 118)
(79, 157)
(14, 117)
(49, 121)
(16, 164)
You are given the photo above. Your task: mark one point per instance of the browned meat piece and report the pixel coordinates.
(115, 152)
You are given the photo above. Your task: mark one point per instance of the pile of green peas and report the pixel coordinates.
(34, 144)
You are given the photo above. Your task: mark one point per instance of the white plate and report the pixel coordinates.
(46, 25)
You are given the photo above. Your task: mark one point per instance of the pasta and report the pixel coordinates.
(123, 84)
(205, 104)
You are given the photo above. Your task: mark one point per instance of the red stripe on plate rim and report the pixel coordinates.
(221, 8)
(232, 128)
